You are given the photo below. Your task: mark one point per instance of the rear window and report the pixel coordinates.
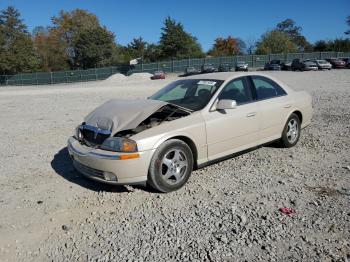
(266, 88)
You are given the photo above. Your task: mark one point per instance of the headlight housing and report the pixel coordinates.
(119, 144)
(78, 135)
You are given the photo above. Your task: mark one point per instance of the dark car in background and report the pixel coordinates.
(273, 65)
(322, 64)
(336, 62)
(158, 75)
(224, 68)
(241, 66)
(207, 68)
(191, 71)
(303, 65)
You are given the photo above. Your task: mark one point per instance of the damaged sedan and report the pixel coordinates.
(188, 124)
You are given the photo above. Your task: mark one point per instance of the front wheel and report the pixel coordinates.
(291, 132)
(171, 166)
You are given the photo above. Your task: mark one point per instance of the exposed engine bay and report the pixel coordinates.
(167, 113)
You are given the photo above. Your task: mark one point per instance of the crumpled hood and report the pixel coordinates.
(117, 115)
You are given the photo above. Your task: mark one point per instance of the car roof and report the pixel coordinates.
(224, 75)
(227, 76)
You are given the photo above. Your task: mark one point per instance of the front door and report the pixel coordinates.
(233, 130)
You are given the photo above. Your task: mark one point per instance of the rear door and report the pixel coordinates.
(232, 130)
(273, 106)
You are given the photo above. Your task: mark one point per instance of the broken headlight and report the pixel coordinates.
(119, 144)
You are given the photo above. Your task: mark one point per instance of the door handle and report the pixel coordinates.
(251, 114)
(287, 106)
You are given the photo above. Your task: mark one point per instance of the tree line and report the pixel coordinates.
(77, 40)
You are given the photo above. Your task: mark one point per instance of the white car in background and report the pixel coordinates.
(323, 64)
(188, 124)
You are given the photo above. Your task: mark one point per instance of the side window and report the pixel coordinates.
(266, 88)
(238, 90)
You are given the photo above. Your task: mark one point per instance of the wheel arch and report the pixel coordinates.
(299, 114)
(192, 146)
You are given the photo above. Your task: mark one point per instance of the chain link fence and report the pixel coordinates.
(173, 66)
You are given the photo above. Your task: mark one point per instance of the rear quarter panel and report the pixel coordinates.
(302, 101)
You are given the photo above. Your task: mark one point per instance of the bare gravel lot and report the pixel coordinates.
(226, 212)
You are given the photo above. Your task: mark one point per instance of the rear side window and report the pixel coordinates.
(239, 90)
(266, 88)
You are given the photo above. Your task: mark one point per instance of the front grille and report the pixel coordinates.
(93, 138)
(93, 135)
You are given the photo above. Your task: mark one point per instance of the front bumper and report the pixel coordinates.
(106, 166)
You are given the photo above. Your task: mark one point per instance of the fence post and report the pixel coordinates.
(36, 76)
(142, 66)
(172, 65)
(95, 73)
(51, 80)
(189, 61)
(157, 65)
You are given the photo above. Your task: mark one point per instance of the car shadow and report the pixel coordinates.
(63, 166)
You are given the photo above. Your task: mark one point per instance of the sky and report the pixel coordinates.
(205, 19)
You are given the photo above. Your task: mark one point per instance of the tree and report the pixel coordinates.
(242, 47)
(289, 27)
(92, 46)
(68, 25)
(225, 47)
(17, 53)
(39, 30)
(348, 22)
(153, 53)
(275, 42)
(175, 42)
(339, 45)
(321, 46)
(51, 50)
(137, 47)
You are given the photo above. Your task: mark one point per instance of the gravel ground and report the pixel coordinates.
(227, 212)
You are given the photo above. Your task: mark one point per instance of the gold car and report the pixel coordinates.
(186, 125)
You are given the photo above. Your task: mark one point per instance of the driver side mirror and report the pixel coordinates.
(226, 104)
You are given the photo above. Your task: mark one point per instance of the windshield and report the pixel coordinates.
(193, 94)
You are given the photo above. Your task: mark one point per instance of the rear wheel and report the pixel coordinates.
(171, 166)
(291, 131)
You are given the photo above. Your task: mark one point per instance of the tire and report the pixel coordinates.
(171, 166)
(291, 132)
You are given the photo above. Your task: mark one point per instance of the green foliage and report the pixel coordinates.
(289, 27)
(340, 45)
(175, 42)
(137, 47)
(275, 42)
(92, 46)
(17, 53)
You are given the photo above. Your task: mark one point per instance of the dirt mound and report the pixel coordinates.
(140, 76)
(116, 77)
